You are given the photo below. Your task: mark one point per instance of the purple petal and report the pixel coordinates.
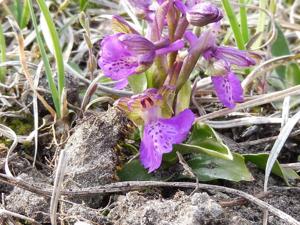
(190, 37)
(228, 89)
(119, 68)
(111, 47)
(181, 6)
(175, 46)
(160, 135)
(123, 55)
(159, 21)
(234, 56)
(206, 41)
(136, 43)
(120, 84)
(145, 4)
(237, 90)
(191, 3)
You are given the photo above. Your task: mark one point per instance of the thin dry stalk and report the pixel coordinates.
(252, 103)
(22, 56)
(59, 175)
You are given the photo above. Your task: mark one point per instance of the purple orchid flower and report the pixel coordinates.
(123, 55)
(159, 136)
(226, 84)
(159, 133)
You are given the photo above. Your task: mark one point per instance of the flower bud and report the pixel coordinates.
(203, 13)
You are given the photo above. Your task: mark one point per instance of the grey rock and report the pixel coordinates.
(77, 213)
(27, 203)
(92, 158)
(198, 209)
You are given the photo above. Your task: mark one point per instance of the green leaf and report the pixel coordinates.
(208, 168)
(2, 54)
(260, 160)
(50, 78)
(205, 140)
(138, 82)
(83, 4)
(290, 74)
(284, 76)
(134, 171)
(16, 10)
(25, 15)
(52, 40)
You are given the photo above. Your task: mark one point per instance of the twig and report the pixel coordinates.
(267, 139)
(243, 122)
(59, 175)
(139, 185)
(188, 170)
(242, 201)
(268, 65)
(9, 213)
(20, 40)
(255, 102)
(294, 166)
(9, 133)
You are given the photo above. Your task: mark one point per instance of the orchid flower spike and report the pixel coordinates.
(159, 133)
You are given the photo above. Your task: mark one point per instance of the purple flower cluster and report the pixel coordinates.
(168, 31)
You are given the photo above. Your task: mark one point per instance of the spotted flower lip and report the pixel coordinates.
(228, 89)
(159, 136)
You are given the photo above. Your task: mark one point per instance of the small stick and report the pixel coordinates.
(242, 201)
(252, 103)
(9, 213)
(59, 175)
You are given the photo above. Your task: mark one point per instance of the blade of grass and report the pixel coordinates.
(244, 21)
(54, 91)
(56, 45)
(25, 15)
(261, 23)
(234, 24)
(83, 4)
(3, 54)
(16, 9)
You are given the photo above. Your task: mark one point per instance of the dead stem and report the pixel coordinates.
(252, 103)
